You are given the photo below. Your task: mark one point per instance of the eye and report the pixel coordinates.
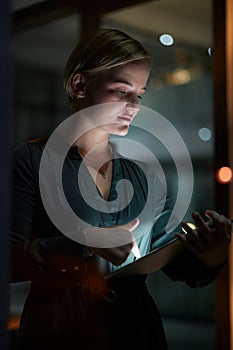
(120, 92)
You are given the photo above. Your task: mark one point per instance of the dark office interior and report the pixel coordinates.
(191, 85)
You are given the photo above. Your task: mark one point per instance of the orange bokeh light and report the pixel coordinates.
(224, 175)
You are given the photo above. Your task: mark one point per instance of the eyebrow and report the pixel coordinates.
(127, 83)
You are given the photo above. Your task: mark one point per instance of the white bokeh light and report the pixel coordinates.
(204, 134)
(166, 39)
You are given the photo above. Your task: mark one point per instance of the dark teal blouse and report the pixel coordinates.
(149, 202)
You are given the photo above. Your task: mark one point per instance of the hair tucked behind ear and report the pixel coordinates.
(106, 49)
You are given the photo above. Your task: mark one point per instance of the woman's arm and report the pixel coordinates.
(30, 254)
(205, 253)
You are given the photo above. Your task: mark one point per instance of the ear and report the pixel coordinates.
(79, 85)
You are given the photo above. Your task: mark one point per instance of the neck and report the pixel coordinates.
(93, 142)
(89, 135)
(99, 157)
(95, 151)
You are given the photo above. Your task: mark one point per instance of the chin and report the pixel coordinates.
(123, 131)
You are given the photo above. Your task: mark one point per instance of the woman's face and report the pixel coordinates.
(124, 84)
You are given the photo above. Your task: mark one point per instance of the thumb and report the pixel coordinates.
(131, 226)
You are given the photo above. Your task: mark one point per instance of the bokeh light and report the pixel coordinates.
(224, 175)
(166, 39)
(204, 134)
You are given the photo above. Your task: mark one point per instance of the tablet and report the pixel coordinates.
(150, 262)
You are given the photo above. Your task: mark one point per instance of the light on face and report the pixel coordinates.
(224, 175)
(166, 39)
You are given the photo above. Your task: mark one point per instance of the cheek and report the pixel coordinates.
(96, 98)
(98, 94)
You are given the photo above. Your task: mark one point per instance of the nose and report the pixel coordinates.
(133, 105)
(134, 99)
(133, 102)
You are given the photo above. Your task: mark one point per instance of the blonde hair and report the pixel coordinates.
(108, 48)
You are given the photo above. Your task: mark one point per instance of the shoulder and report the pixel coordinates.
(23, 148)
(24, 154)
(20, 155)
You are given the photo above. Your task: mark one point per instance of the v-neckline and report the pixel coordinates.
(110, 185)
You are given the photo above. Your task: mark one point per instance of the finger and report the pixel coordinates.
(131, 226)
(189, 231)
(203, 227)
(218, 219)
(192, 237)
(212, 214)
(222, 224)
(189, 242)
(225, 227)
(195, 239)
(109, 237)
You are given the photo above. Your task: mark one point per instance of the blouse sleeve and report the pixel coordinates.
(186, 267)
(23, 194)
(30, 254)
(191, 270)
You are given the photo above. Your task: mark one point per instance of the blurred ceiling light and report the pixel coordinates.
(182, 57)
(209, 51)
(204, 134)
(156, 84)
(196, 72)
(166, 39)
(179, 76)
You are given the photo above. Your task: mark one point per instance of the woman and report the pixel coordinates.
(71, 304)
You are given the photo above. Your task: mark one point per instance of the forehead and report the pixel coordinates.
(133, 72)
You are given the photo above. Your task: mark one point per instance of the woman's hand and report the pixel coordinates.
(118, 254)
(209, 242)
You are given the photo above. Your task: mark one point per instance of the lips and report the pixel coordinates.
(126, 117)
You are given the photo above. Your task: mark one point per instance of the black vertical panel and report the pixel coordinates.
(221, 159)
(220, 103)
(90, 22)
(5, 114)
